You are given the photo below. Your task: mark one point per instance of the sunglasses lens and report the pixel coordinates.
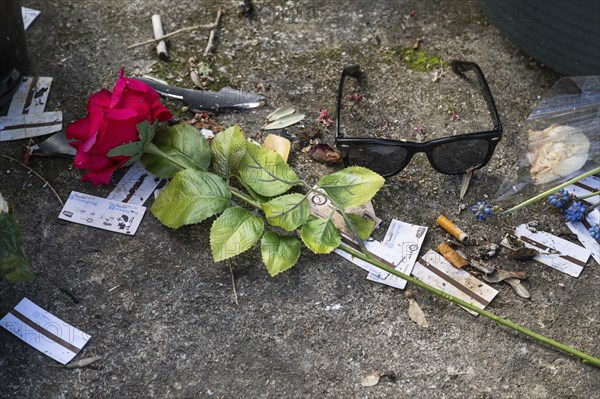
(458, 157)
(383, 159)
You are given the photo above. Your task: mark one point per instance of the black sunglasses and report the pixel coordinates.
(449, 155)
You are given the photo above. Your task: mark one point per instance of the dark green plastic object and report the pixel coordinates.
(13, 52)
(562, 34)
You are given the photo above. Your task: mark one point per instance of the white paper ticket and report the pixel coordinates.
(136, 186)
(583, 233)
(585, 187)
(44, 331)
(560, 254)
(434, 270)
(379, 251)
(102, 213)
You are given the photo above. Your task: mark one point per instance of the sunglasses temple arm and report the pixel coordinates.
(459, 67)
(338, 106)
(353, 71)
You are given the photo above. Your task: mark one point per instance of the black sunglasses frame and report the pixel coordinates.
(459, 67)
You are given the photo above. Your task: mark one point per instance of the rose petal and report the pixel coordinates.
(121, 114)
(118, 90)
(98, 177)
(136, 85)
(160, 112)
(102, 176)
(79, 129)
(85, 160)
(116, 132)
(99, 100)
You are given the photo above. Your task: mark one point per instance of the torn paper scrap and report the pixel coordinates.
(436, 271)
(381, 253)
(136, 186)
(405, 240)
(583, 234)
(29, 15)
(31, 96)
(560, 254)
(102, 213)
(44, 331)
(18, 127)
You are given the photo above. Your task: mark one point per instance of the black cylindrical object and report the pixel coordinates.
(13, 50)
(564, 35)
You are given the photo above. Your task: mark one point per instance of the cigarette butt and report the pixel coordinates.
(161, 46)
(451, 255)
(451, 228)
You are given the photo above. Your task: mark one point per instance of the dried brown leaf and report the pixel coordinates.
(414, 310)
(518, 287)
(523, 254)
(323, 153)
(373, 378)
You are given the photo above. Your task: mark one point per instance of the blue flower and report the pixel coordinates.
(576, 211)
(560, 199)
(595, 231)
(481, 210)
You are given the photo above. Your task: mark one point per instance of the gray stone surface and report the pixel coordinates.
(172, 328)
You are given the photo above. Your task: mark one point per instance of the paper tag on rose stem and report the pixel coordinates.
(136, 186)
(560, 254)
(405, 240)
(321, 207)
(583, 234)
(434, 270)
(44, 331)
(102, 213)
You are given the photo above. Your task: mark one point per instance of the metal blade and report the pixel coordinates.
(206, 100)
(55, 146)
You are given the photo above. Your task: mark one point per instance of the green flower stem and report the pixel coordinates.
(507, 323)
(551, 191)
(151, 148)
(240, 195)
(589, 195)
(504, 322)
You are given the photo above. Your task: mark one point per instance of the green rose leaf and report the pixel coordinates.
(352, 186)
(228, 148)
(234, 232)
(364, 227)
(266, 172)
(259, 198)
(176, 148)
(135, 149)
(320, 236)
(279, 253)
(191, 197)
(288, 211)
(15, 265)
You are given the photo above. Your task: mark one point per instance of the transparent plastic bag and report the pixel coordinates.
(563, 138)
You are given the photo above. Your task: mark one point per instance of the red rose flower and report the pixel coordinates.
(112, 121)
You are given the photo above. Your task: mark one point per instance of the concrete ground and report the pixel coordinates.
(173, 329)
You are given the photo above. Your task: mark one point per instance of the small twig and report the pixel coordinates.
(83, 362)
(38, 175)
(161, 46)
(177, 32)
(213, 31)
(114, 288)
(233, 283)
